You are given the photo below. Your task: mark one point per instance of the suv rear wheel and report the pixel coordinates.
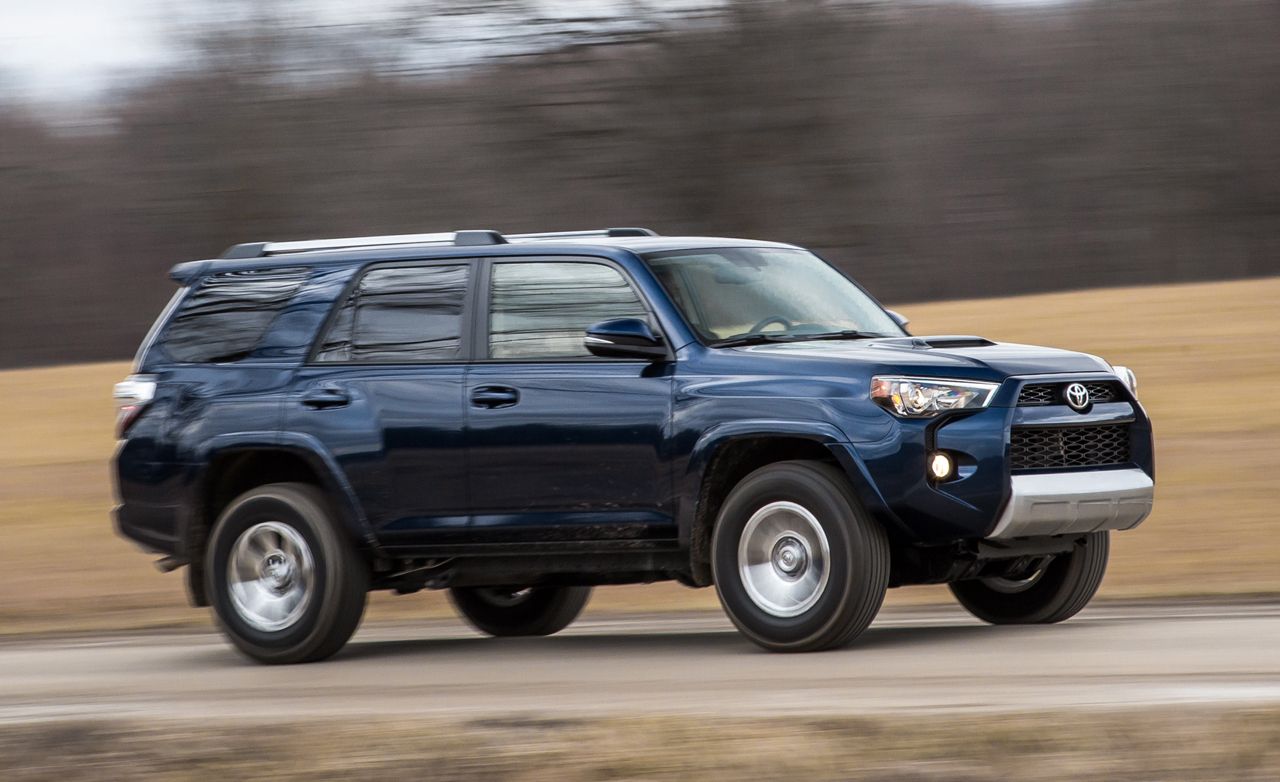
(1056, 591)
(798, 565)
(512, 611)
(285, 586)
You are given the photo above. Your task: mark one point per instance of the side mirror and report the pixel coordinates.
(625, 338)
(899, 318)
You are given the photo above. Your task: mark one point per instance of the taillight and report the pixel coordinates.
(132, 396)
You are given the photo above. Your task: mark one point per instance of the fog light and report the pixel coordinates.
(941, 466)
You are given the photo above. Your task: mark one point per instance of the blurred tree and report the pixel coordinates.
(935, 150)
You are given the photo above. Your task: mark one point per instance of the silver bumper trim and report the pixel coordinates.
(1075, 502)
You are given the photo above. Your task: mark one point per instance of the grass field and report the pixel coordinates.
(1206, 357)
(1188, 744)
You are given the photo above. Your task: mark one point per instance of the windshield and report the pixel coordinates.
(734, 294)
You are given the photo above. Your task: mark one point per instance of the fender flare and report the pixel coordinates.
(713, 439)
(303, 446)
(689, 485)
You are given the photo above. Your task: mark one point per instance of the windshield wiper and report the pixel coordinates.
(752, 339)
(845, 334)
(764, 339)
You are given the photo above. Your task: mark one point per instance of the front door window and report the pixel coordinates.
(542, 310)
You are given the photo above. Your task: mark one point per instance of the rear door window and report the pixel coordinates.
(401, 314)
(225, 318)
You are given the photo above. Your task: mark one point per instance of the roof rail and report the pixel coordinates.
(456, 238)
(609, 232)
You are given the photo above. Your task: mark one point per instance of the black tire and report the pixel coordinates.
(337, 589)
(1061, 590)
(515, 611)
(857, 564)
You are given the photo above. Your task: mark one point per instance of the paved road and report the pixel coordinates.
(934, 660)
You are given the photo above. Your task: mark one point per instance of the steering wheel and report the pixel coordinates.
(769, 321)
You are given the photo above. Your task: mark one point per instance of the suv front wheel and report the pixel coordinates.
(1056, 591)
(798, 565)
(286, 587)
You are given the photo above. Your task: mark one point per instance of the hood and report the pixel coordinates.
(966, 356)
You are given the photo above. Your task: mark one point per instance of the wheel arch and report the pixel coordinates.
(725, 455)
(230, 466)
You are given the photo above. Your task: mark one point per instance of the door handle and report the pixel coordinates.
(492, 397)
(324, 397)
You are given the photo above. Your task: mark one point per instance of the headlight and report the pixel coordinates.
(910, 397)
(1127, 377)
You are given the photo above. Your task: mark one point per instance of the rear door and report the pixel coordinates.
(564, 445)
(384, 393)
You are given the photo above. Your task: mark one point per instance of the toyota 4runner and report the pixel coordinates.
(519, 418)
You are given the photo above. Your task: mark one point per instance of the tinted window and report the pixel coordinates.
(400, 314)
(542, 310)
(224, 318)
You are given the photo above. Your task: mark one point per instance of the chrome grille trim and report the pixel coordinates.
(1041, 394)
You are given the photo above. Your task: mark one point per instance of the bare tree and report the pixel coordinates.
(935, 150)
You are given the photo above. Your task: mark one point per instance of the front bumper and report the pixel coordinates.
(989, 497)
(1075, 503)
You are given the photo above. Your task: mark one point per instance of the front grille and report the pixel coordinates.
(1041, 447)
(1038, 394)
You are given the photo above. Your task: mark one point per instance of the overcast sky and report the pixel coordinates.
(73, 44)
(68, 50)
(71, 49)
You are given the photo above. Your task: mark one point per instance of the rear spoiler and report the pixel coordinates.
(184, 273)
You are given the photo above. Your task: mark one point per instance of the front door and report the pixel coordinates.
(564, 446)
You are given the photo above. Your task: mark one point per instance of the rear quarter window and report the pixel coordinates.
(225, 318)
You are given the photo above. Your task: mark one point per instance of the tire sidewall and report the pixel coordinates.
(546, 610)
(303, 515)
(834, 515)
(1068, 583)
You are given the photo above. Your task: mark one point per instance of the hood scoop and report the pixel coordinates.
(930, 343)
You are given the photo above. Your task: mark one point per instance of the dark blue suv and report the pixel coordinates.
(518, 418)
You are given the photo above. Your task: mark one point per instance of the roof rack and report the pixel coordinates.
(454, 238)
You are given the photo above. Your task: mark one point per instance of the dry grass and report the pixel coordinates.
(1200, 352)
(1186, 745)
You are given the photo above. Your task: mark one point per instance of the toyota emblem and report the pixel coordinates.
(1077, 397)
